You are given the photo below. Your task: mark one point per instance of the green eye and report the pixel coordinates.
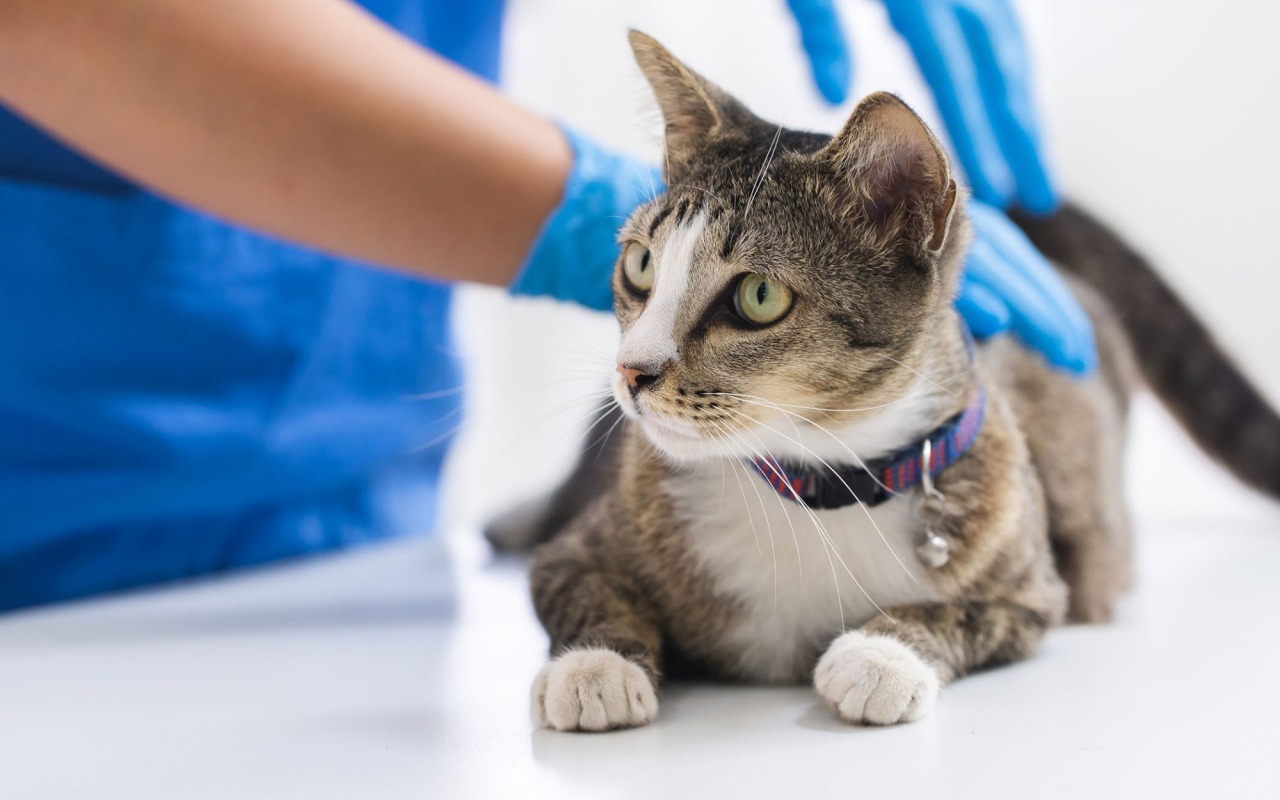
(637, 267)
(761, 301)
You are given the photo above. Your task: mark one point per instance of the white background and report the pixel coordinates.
(393, 672)
(1159, 115)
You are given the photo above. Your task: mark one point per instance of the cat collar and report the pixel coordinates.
(821, 486)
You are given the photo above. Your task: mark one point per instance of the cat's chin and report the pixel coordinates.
(679, 442)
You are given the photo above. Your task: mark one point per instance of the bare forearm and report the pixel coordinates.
(303, 118)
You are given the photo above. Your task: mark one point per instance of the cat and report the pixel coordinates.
(820, 477)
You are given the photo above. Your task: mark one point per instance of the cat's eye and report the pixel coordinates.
(637, 267)
(761, 301)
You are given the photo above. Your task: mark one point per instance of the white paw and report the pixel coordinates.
(593, 690)
(875, 680)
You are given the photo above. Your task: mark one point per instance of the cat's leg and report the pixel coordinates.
(890, 670)
(1075, 430)
(1076, 436)
(605, 644)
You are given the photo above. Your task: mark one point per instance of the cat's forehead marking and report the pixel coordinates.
(651, 340)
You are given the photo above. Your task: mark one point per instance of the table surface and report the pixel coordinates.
(402, 672)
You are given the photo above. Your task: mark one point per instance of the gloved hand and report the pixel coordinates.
(574, 254)
(973, 57)
(824, 43)
(1008, 285)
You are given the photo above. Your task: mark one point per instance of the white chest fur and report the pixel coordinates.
(801, 578)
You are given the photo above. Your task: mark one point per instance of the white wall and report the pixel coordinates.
(1158, 114)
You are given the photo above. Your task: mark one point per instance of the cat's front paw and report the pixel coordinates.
(593, 690)
(875, 680)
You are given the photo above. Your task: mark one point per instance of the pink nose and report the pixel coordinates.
(636, 379)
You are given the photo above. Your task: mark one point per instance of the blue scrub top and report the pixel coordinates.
(181, 396)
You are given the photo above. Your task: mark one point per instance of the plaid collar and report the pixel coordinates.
(818, 486)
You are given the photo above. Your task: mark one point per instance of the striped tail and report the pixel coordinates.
(1186, 368)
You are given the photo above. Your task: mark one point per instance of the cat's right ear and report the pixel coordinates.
(693, 107)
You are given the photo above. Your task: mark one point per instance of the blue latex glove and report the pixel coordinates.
(973, 57)
(574, 254)
(824, 43)
(1008, 285)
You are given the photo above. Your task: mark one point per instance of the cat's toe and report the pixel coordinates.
(593, 690)
(875, 680)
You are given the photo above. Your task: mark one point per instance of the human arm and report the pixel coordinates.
(307, 119)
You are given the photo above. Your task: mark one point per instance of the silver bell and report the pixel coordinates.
(935, 552)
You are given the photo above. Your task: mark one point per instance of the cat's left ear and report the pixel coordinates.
(899, 175)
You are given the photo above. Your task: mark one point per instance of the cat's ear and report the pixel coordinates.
(693, 108)
(899, 175)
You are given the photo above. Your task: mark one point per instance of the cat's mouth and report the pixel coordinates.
(676, 438)
(656, 427)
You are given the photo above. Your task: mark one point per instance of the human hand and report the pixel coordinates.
(1008, 285)
(574, 254)
(973, 57)
(824, 43)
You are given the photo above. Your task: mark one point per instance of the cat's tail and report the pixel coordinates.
(1195, 379)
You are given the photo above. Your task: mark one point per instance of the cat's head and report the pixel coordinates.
(784, 277)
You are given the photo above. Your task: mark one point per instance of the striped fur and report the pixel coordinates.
(679, 561)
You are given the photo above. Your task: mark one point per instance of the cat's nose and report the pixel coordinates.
(637, 377)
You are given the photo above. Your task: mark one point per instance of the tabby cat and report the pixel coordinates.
(820, 477)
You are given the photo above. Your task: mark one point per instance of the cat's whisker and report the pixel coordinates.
(600, 371)
(598, 413)
(666, 160)
(824, 537)
(592, 376)
(647, 175)
(639, 188)
(450, 392)
(581, 349)
(806, 408)
(600, 387)
(768, 159)
(603, 414)
(596, 400)
(762, 402)
(584, 356)
(870, 517)
(795, 538)
(822, 530)
(453, 429)
(720, 509)
(918, 373)
(707, 192)
(741, 442)
(734, 465)
(575, 403)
